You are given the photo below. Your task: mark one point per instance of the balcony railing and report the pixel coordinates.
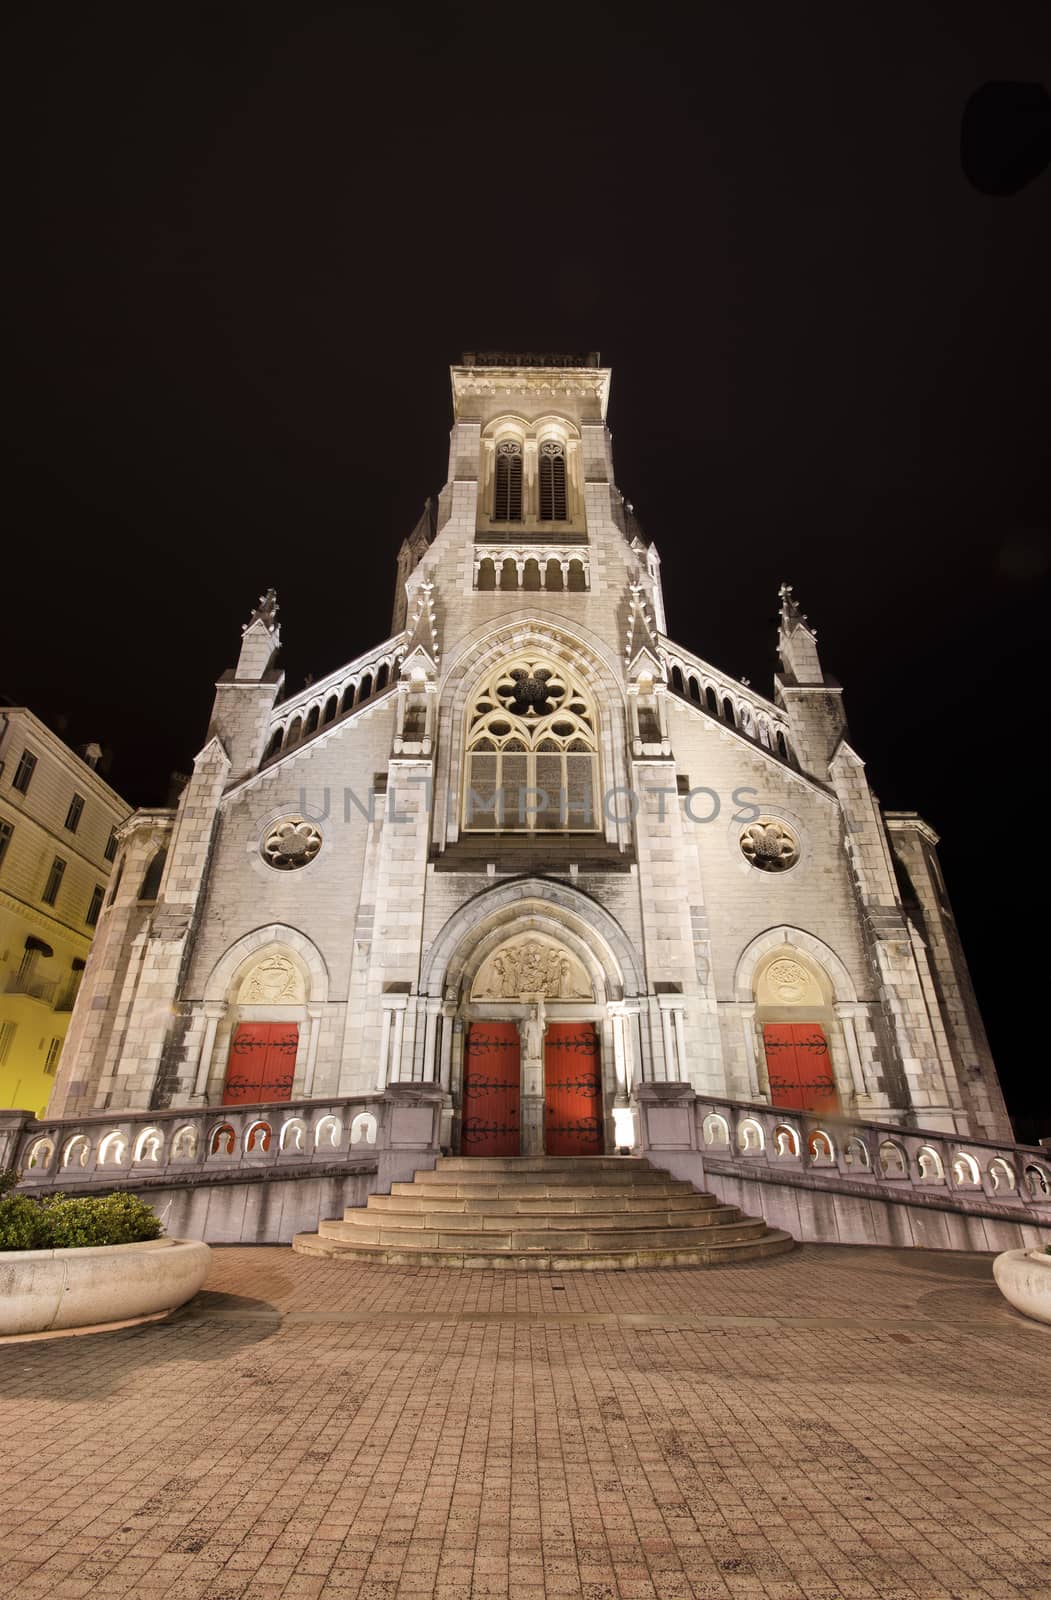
(33, 988)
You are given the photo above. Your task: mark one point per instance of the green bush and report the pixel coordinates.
(23, 1225)
(8, 1178)
(59, 1222)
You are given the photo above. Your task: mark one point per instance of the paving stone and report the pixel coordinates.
(838, 1422)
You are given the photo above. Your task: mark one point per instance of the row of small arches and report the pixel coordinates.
(147, 1148)
(529, 575)
(321, 713)
(736, 714)
(965, 1169)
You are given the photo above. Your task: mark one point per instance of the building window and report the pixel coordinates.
(6, 831)
(111, 845)
(75, 812)
(54, 881)
(24, 772)
(552, 481)
(151, 881)
(507, 498)
(95, 905)
(7, 1039)
(54, 1050)
(531, 753)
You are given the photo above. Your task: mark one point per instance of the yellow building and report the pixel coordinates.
(58, 838)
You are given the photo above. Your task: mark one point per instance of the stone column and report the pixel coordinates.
(846, 1014)
(214, 1011)
(431, 1070)
(384, 1060)
(531, 1031)
(621, 1013)
(313, 1037)
(445, 1074)
(394, 1070)
(751, 1064)
(672, 1012)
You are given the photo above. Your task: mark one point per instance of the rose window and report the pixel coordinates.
(769, 845)
(291, 842)
(531, 759)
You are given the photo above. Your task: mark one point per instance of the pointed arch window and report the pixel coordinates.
(507, 498)
(531, 753)
(552, 475)
(151, 882)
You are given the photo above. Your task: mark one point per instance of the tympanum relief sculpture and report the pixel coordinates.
(275, 980)
(530, 968)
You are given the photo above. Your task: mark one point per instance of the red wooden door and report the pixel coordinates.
(572, 1090)
(262, 1062)
(799, 1067)
(492, 1091)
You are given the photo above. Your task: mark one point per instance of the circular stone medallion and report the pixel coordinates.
(290, 842)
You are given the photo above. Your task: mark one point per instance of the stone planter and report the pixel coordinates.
(42, 1291)
(1024, 1278)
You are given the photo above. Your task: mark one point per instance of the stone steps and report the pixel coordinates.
(509, 1188)
(544, 1213)
(560, 1204)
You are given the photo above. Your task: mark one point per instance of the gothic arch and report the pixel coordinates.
(480, 653)
(843, 987)
(231, 967)
(492, 917)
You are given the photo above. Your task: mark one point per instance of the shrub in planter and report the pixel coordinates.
(22, 1224)
(62, 1223)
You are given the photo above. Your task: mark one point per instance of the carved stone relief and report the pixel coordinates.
(275, 980)
(788, 981)
(532, 967)
(770, 845)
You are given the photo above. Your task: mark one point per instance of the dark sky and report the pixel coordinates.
(246, 242)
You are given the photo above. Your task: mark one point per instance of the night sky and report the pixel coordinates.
(245, 242)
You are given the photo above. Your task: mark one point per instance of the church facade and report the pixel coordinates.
(529, 850)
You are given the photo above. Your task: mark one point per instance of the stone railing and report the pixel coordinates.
(395, 1132)
(911, 1165)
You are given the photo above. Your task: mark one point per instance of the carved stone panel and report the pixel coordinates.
(533, 966)
(788, 982)
(273, 981)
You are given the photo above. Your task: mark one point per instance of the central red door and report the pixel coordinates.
(492, 1091)
(262, 1062)
(799, 1068)
(572, 1090)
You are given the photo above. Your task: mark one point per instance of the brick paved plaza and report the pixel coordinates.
(836, 1422)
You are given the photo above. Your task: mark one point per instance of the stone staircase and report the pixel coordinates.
(544, 1213)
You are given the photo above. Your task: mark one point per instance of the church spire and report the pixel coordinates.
(260, 638)
(797, 642)
(813, 700)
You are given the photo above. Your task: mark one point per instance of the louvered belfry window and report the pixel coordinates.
(552, 481)
(531, 759)
(507, 500)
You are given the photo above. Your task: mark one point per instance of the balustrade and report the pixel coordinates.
(174, 1145)
(734, 1135)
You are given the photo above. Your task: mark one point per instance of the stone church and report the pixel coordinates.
(530, 850)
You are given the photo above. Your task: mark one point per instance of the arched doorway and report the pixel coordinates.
(531, 976)
(794, 1015)
(258, 1023)
(532, 1080)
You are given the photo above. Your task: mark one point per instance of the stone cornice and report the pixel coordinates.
(590, 383)
(41, 919)
(910, 822)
